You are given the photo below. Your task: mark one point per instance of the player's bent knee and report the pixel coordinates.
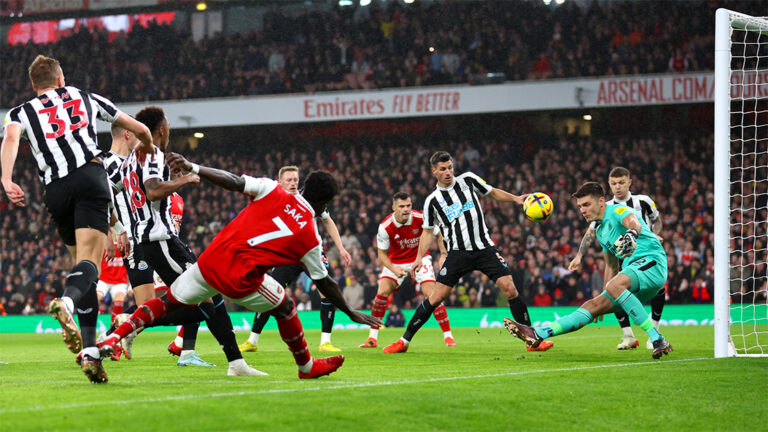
(283, 309)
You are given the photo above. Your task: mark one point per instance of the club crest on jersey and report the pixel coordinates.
(142, 265)
(443, 271)
(297, 216)
(416, 231)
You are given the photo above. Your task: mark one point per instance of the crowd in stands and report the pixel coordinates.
(426, 43)
(34, 260)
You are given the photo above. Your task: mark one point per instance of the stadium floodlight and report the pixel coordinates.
(559, 1)
(408, 1)
(198, 135)
(201, 6)
(343, 3)
(741, 184)
(365, 3)
(547, 2)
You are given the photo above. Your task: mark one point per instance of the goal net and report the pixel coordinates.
(741, 184)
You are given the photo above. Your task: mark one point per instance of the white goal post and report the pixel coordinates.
(741, 184)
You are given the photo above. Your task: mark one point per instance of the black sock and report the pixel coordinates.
(519, 311)
(422, 314)
(190, 336)
(657, 305)
(220, 326)
(622, 318)
(130, 310)
(81, 279)
(87, 308)
(327, 313)
(181, 316)
(259, 321)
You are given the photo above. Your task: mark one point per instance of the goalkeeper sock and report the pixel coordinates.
(639, 316)
(566, 324)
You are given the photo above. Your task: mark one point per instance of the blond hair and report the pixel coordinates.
(44, 71)
(287, 168)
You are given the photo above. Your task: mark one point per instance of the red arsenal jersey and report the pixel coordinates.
(113, 271)
(276, 229)
(402, 240)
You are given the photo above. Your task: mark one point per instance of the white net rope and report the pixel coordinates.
(749, 185)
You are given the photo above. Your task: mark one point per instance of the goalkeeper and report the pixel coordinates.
(622, 235)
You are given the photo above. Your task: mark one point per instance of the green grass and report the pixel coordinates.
(487, 383)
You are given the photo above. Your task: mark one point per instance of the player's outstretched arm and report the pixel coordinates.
(221, 178)
(504, 196)
(333, 231)
(140, 130)
(332, 293)
(8, 154)
(586, 242)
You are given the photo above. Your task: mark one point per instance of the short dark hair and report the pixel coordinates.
(151, 116)
(320, 187)
(400, 196)
(439, 156)
(116, 130)
(618, 172)
(590, 189)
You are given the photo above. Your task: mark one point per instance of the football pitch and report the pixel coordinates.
(487, 383)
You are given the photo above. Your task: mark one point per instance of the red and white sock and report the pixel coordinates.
(441, 315)
(179, 341)
(145, 314)
(117, 309)
(293, 335)
(378, 309)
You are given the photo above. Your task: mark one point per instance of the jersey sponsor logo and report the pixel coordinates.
(454, 210)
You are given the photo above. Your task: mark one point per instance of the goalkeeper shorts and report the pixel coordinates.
(648, 276)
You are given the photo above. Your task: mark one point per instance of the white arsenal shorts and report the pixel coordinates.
(425, 274)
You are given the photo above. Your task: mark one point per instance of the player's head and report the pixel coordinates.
(590, 198)
(319, 189)
(45, 72)
(402, 206)
(154, 119)
(288, 177)
(123, 135)
(442, 167)
(619, 181)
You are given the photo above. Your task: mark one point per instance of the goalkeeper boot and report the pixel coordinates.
(322, 367)
(627, 343)
(93, 369)
(524, 333)
(370, 343)
(543, 346)
(328, 347)
(649, 344)
(247, 346)
(661, 347)
(192, 359)
(397, 347)
(69, 331)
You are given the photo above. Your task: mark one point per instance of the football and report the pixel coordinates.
(538, 207)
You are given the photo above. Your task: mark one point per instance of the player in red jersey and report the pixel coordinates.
(113, 281)
(398, 245)
(177, 214)
(276, 229)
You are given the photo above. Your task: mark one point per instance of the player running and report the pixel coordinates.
(622, 235)
(276, 229)
(619, 180)
(398, 243)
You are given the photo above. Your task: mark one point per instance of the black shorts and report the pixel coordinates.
(139, 270)
(169, 258)
(286, 275)
(79, 200)
(459, 263)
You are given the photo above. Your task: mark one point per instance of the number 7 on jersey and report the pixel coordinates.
(283, 231)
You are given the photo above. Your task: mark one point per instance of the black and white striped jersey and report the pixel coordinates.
(642, 204)
(149, 220)
(112, 163)
(60, 126)
(457, 212)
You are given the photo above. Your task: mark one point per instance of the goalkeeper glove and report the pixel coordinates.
(626, 244)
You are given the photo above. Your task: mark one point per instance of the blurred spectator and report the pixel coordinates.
(353, 293)
(395, 317)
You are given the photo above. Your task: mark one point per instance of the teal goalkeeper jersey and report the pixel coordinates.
(610, 229)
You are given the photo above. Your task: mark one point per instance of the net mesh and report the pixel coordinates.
(749, 186)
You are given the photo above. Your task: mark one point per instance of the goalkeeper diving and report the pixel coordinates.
(623, 236)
